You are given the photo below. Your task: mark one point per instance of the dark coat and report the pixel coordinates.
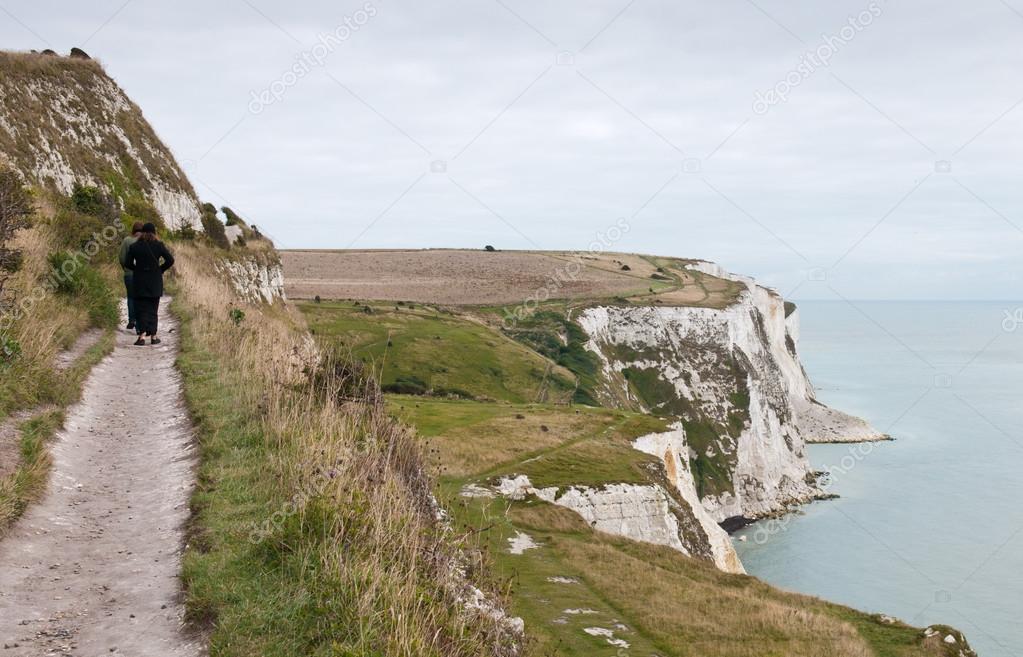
(144, 260)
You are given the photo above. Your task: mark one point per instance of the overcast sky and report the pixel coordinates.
(892, 170)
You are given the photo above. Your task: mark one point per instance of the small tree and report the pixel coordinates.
(489, 248)
(15, 209)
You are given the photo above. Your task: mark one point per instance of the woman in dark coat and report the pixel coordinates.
(148, 258)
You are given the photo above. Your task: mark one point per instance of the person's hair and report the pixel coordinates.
(149, 232)
(136, 227)
(148, 237)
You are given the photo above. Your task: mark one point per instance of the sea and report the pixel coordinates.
(927, 528)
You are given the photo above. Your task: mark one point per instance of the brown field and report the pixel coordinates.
(459, 277)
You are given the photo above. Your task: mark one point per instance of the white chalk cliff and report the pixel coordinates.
(733, 378)
(255, 279)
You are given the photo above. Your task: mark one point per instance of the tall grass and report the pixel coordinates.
(314, 530)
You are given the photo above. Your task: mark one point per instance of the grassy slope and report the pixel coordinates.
(654, 598)
(313, 533)
(429, 348)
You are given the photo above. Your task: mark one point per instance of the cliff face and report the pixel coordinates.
(64, 121)
(733, 379)
(256, 279)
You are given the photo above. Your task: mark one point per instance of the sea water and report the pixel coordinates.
(928, 528)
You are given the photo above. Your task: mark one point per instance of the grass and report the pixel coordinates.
(426, 351)
(313, 530)
(553, 445)
(46, 319)
(658, 600)
(28, 481)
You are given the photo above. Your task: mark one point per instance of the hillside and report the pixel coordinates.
(507, 470)
(604, 429)
(64, 122)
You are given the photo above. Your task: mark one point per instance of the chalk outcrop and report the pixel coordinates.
(649, 513)
(255, 279)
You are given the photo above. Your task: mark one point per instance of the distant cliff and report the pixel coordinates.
(732, 377)
(64, 121)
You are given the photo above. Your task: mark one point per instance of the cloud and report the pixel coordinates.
(558, 118)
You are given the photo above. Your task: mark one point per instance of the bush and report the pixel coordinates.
(184, 232)
(214, 229)
(489, 248)
(137, 209)
(75, 278)
(237, 316)
(232, 217)
(406, 385)
(93, 201)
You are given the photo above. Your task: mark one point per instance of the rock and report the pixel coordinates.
(949, 638)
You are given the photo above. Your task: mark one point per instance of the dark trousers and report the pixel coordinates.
(131, 300)
(146, 311)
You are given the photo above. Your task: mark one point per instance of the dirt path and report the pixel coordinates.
(92, 569)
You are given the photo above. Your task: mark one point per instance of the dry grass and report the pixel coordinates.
(33, 391)
(455, 277)
(315, 531)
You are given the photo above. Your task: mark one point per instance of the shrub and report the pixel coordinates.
(214, 229)
(184, 232)
(626, 268)
(237, 316)
(232, 217)
(406, 385)
(339, 377)
(15, 209)
(75, 278)
(94, 201)
(489, 248)
(138, 209)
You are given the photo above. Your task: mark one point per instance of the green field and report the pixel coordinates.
(419, 350)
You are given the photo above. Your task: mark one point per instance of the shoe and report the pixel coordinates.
(154, 341)
(140, 342)
(130, 326)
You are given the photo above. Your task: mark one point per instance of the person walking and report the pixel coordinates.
(136, 230)
(148, 259)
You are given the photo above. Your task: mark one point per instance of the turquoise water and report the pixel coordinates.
(928, 528)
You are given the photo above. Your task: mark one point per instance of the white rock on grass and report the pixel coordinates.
(608, 635)
(521, 542)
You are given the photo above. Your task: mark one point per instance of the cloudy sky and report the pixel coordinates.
(843, 149)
